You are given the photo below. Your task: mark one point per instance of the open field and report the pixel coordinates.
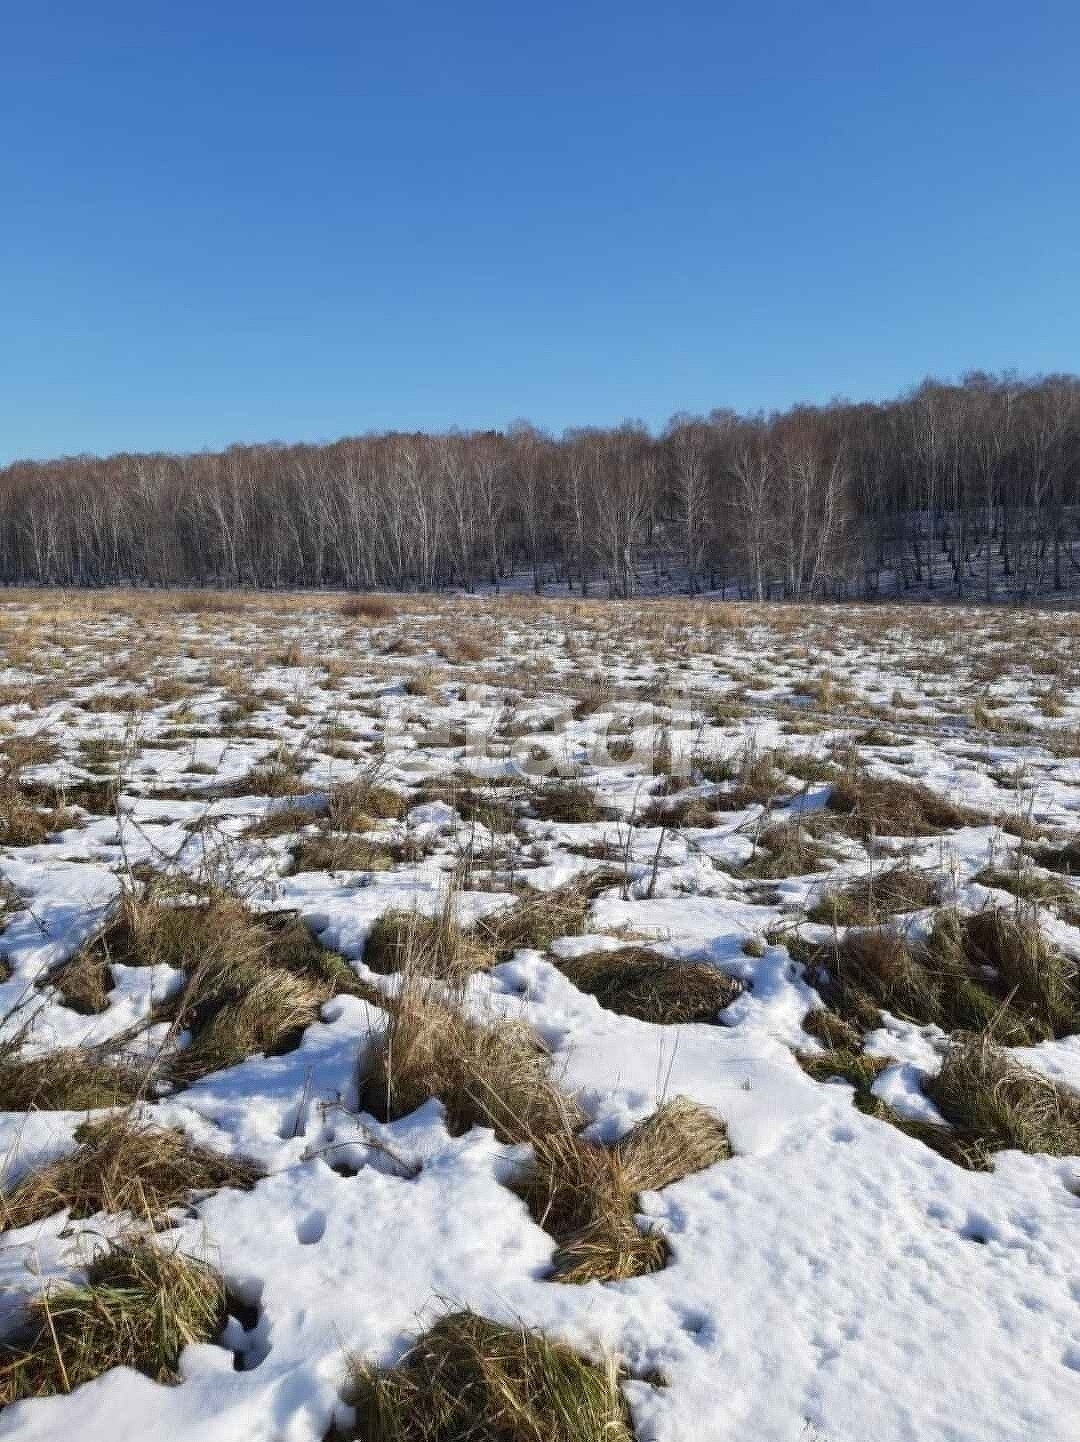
(502, 1018)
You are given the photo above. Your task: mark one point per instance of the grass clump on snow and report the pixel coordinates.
(1042, 983)
(568, 802)
(355, 805)
(682, 811)
(542, 917)
(992, 968)
(585, 1195)
(22, 823)
(151, 931)
(1064, 858)
(888, 892)
(433, 946)
(472, 1380)
(235, 1018)
(1036, 888)
(635, 981)
(69, 1079)
(341, 852)
(787, 848)
(252, 985)
(123, 1165)
(139, 1307)
(485, 1074)
(989, 1096)
(84, 983)
(882, 806)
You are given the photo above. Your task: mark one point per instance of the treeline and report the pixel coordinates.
(969, 489)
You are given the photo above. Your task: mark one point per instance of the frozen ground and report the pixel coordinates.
(836, 1278)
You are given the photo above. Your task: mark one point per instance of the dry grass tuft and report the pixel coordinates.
(278, 775)
(355, 805)
(991, 1098)
(567, 802)
(84, 983)
(70, 1080)
(253, 985)
(23, 822)
(369, 608)
(139, 1307)
(1064, 858)
(879, 806)
(843, 1064)
(866, 972)
(788, 848)
(123, 1165)
(430, 946)
(635, 981)
(471, 1380)
(212, 936)
(1042, 984)
(337, 852)
(542, 917)
(585, 1195)
(495, 1075)
(878, 894)
(992, 969)
(1036, 888)
(267, 1012)
(682, 811)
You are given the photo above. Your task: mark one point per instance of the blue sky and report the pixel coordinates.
(240, 221)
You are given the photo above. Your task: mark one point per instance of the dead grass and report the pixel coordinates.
(992, 969)
(282, 821)
(266, 1012)
(567, 802)
(279, 775)
(430, 946)
(372, 607)
(1064, 858)
(84, 983)
(23, 823)
(1042, 984)
(252, 984)
(682, 811)
(123, 1165)
(355, 805)
(635, 981)
(881, 806)
(843, 1060)
(495, 1075)
(866, 972)
(586, 1195)
(1036, 888)
(988, 1096)
(69, 1079)
(471, 1380)
(787, 848)
(542, 917)
(886, 892)
(844, 1064)
(152, 931)
(337, 852)
(139, 1307)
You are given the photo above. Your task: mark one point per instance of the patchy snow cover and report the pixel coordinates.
(836, 1279)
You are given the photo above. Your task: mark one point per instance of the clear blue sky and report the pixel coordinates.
(254, 221)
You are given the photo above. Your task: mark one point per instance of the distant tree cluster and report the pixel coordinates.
(969, 489)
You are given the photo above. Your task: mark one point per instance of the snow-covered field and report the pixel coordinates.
(836, 1277)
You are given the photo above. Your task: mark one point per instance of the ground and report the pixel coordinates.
(733, 796)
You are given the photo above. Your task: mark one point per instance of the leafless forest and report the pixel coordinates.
(967, 490)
